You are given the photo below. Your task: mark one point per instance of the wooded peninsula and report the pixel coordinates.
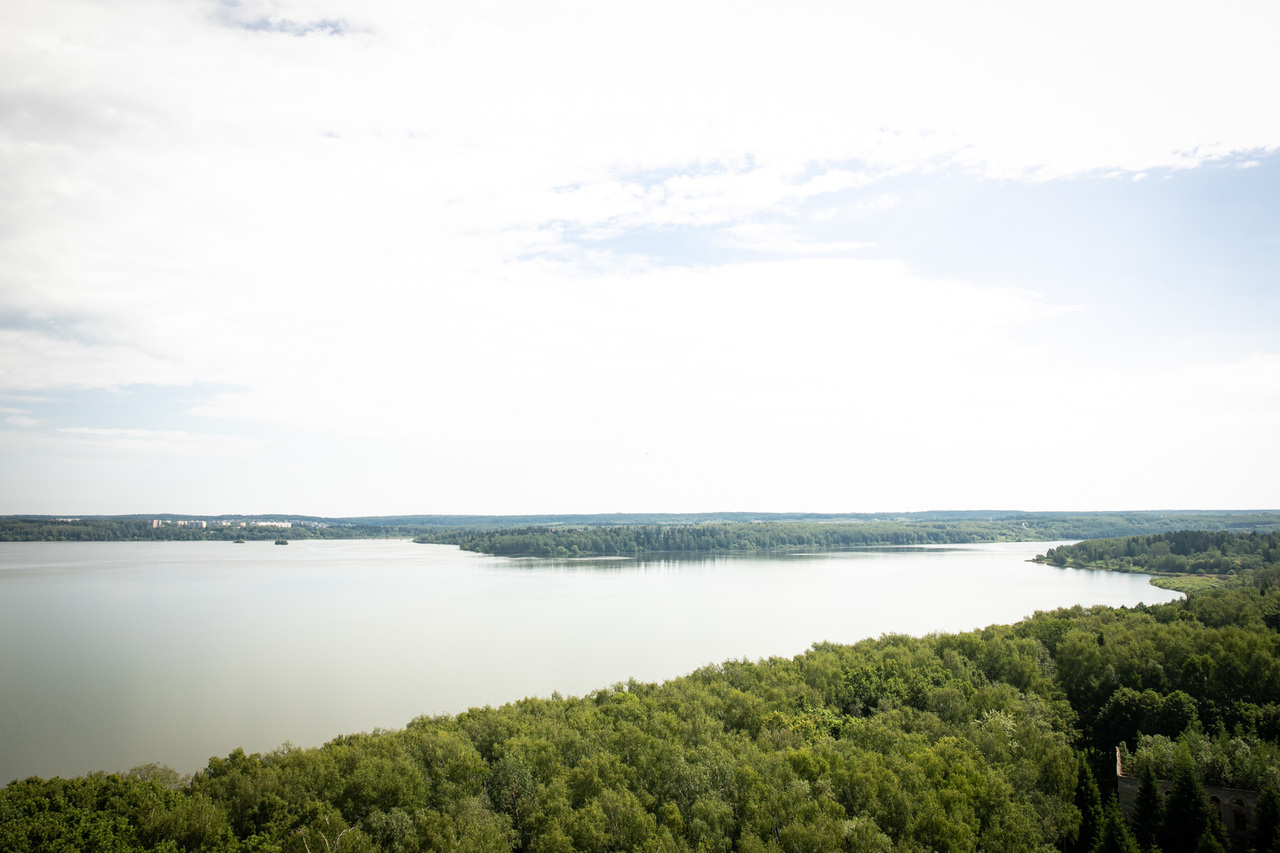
(1001, 739)
(932, 529)
(1188, 560)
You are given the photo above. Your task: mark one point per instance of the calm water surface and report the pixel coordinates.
(113, 654)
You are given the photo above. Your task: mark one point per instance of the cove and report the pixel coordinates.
(114, 654)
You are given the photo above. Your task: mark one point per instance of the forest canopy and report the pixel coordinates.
(1182, 551)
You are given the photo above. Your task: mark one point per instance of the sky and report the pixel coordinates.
(395, 257)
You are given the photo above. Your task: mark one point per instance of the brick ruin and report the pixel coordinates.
(1234, 806)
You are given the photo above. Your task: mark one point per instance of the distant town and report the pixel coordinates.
(204, 524)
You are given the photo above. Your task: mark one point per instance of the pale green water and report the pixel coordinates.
(114, 654)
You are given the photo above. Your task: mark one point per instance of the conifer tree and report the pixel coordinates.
(1187, 815)
(1267, 821)
(1116, 837)
(1148, 810)
(1209, 842)
(1089, 802)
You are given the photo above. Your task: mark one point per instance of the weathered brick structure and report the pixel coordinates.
(1234, 806)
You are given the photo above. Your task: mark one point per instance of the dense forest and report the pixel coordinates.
(1002, 739)
(1182, 551)
(628, 540)
(764, 536)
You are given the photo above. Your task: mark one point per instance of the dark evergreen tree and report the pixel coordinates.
(1210, 842)
(1266, 821)
(1116, 837)
(1187, 815)
(1148, 810)
(1089, 802)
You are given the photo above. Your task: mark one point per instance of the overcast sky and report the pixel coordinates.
(396, 257)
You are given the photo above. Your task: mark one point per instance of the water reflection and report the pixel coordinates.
(689, 560)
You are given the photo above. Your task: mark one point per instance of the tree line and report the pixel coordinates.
(544, 535)
(630, 540)
(1183, 551)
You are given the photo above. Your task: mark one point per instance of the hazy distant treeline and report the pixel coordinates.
(623, 534)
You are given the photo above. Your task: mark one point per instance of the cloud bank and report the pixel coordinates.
(486, 241)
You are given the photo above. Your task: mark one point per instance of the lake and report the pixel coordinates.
(114, 654)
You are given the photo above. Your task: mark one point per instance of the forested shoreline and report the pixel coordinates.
(998, 739)
(704, 538)
(1185, 560)
(632, 540)
(1179, 551)
(616, 534)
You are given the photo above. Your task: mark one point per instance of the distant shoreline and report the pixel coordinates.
(627, 534)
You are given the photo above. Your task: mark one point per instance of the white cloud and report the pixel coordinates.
(332, 207)
(150, 131)
(780, 239)
(164, 442)
(554, 336)
(574, 96)
(31, 359)
(884, 201)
